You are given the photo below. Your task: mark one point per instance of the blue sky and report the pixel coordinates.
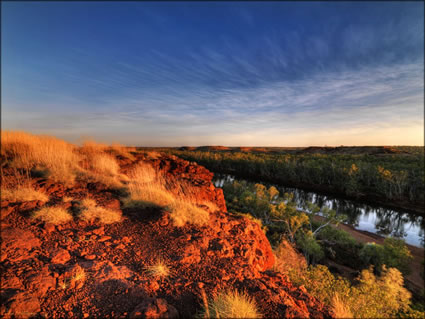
(215, 73)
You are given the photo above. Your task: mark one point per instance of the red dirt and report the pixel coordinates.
(41, 264)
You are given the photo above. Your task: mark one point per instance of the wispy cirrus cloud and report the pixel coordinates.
(390, 96)
(262, 76)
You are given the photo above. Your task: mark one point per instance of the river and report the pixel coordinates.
(374, 219)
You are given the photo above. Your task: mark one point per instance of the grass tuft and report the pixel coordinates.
(22, 194)
(183, 212)
(148, 188)
(231, 304)
(53, 215)
(91, 212)
(30, 152)
(159, 269)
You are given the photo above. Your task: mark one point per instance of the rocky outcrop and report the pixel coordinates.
(86, 269)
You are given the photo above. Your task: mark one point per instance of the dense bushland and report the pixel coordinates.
(391, 177)
(377, 292)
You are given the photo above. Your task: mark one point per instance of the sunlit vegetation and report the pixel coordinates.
(22, 194)
(149, 188)
(24, 152)
(388, 177)
(183, 211)
(277, 213)
(231, 304)
(158, 270)
(120, 150)
(53, 215)
(377, 292)
(27, 156)
(392, 253)
(91, 211)
(370, 296)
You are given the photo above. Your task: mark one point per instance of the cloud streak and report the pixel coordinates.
(262, 77)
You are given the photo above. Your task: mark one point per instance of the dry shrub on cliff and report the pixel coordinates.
(105, 215)
(340, 308)
(183, 211)
(53, 215)
(149, 188)
(26, 151)
(22, 194)
(184, 189)
(288, 259)
(231, 304)
(99, 164)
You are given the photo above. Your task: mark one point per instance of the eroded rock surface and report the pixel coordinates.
(86, 269)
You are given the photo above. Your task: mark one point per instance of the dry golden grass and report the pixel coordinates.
(80, 274)
(150, 189)
(231, 304)
(159, 269)
(340, 308)
(104, 164)
(22, 194)
(119, 149)
(53, 215)
(92, 212)
(94, 162)
(183, 211)
(288, 259)
(147, 189)
(61, 161)
(97, 165)
(92, 147)
(26, 151)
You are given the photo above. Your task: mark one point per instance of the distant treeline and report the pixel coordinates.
(389, 177)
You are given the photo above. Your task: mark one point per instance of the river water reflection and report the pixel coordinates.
(375, 219)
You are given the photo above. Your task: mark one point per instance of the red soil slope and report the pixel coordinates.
(40, 263)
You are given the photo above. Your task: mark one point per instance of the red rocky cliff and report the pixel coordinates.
(86, 269)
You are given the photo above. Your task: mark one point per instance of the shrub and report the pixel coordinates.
(312, 250)
(371, 297)
(321, 283)
(379, 297)
(22, 194)
(340, 246)
(53, 215)
(91, 211)
(394, 253)
(397, 254)
(231, 304)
